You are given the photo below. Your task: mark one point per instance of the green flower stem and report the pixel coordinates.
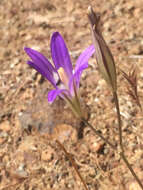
(98, 134)
(119, 120)
(121, 141)
(115, 149)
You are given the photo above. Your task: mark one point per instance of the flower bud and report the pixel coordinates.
(103, 55)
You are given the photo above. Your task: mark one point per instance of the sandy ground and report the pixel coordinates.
(30, 159)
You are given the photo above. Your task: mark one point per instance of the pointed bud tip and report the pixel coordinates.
(90, 12)
(89, 9)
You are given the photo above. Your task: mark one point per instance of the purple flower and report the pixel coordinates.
(62, 72)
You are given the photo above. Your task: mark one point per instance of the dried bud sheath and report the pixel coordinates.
(103, 55)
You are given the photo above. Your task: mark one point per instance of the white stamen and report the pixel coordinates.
(56, 77)
(63, 76)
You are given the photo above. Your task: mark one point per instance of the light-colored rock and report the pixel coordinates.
(64, 133)
(47, 154)
(2, 140)
(134, 186)
(5, 126)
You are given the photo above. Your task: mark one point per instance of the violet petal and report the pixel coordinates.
(81, 64)
(60, 54)
(41, 64)
(75, 79)
(84, 57)
(54, 93)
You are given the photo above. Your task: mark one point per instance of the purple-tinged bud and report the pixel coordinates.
(103, 55)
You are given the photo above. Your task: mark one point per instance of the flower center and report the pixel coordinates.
(63, 76)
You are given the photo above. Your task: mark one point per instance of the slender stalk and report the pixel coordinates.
(119, 120)
(121, 142)
(98, 134)
(107, 68)
(131, 169)
(114, 148)
(73, 164)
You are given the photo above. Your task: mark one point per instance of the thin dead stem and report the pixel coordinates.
(132, 88)
(73, 164)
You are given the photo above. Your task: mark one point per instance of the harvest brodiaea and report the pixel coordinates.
(62, 70)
